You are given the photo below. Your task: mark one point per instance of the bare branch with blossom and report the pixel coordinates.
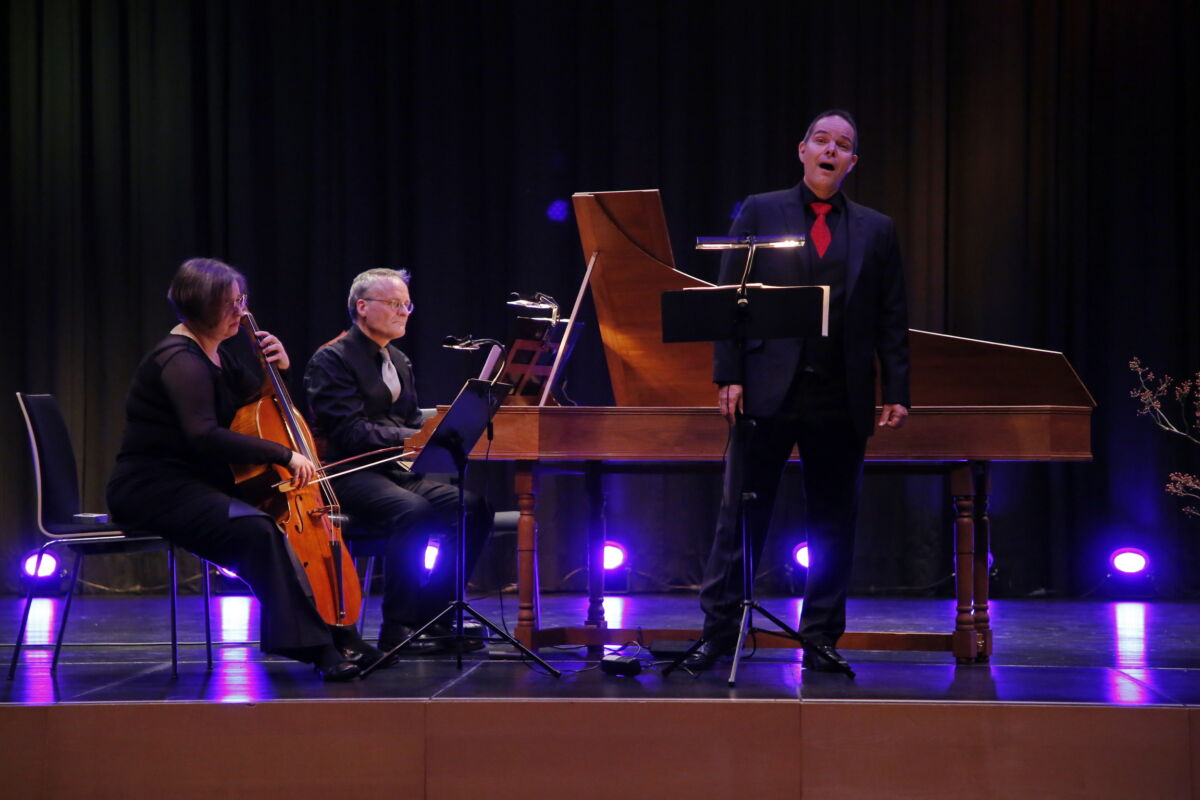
(1150, 393)
(1184, 419)
(1184, 485)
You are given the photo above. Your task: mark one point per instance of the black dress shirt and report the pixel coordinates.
(351, 406)
(824, 355)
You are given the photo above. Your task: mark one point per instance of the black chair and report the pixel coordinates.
(63, 525)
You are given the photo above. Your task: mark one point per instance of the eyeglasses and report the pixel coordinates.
(395, 305)
(237, 304)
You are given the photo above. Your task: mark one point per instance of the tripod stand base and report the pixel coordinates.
(460, 609)
(746, 628)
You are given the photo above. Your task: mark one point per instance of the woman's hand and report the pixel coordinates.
(302, 470)
(273, 349)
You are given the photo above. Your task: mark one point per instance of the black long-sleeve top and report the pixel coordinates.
(351, 407)
(179, 409)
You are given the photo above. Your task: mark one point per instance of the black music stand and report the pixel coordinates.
(446, 451)
(739, 313)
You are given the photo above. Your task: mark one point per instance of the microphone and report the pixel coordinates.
(535, 300)
(458, 342)
(532, 300)
(467, 342)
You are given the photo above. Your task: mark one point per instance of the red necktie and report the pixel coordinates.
(820, 231)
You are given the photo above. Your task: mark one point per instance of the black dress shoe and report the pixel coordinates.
(707, 654)
(393, 634)
(352, 646)
(443, 635)
(332, 666)
(824, 658)
(361, 653)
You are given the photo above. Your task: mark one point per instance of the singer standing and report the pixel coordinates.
(817, 394)
(363, 397)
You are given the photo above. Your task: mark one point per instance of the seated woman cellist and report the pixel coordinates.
(173, 476)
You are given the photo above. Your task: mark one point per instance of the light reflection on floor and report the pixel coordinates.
(1129, 634)
(1128, 654)
(239, 677)
(43, 620)
(614, 611)
(793, 615)
(37, 684)
(233, 617)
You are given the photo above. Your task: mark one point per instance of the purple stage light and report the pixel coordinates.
(614, 555)
(431, 554)
(1129, 560)
(46, 569)
(558, 211)
(233, 584)
(800, 554)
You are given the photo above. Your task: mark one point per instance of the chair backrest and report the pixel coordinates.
(53, 462)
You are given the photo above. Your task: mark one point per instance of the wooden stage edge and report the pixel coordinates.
(456, 749)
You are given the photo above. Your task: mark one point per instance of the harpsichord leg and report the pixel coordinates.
(595, 544)
(965, 639)
(527, 573)
(983, 627)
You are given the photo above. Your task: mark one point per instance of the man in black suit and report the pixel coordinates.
(363, 397)
(815, 393)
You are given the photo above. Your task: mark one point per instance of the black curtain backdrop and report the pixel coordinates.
(1038, 158)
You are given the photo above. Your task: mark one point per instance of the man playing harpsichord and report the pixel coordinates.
(363, 398)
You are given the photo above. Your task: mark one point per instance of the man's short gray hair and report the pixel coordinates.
(365, 282)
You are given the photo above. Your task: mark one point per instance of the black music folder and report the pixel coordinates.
(712, 313)
(459, 430)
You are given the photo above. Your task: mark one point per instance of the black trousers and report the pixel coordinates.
(254, 548)
(410, 509)
(832, 453)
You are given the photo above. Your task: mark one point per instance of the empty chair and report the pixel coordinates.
(60, 519)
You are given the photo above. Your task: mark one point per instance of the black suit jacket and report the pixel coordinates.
(351, 407)
(875, 320)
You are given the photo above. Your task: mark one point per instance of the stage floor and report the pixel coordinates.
(1092, 652)
(1081, 700)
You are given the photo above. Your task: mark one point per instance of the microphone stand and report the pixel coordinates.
(454, 443)
(740, 435)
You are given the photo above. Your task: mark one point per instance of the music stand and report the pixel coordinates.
(532, 355)
(446, 451)
(739, 313)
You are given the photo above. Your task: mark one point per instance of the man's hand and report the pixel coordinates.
(729, 400)
(893, 416)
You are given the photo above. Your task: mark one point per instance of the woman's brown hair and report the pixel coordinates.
(197, 292)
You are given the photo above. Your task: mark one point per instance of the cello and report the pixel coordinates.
(309, 516)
